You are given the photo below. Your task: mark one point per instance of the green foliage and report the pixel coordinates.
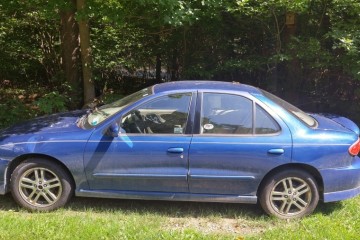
(346, 35)
(18, 105)
(52, 102)
(29, 47)
(111, 97)
(13, 111)
(310, 52)
(14, 107)
(236, 40)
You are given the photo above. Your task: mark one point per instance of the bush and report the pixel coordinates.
(13, 111)
(52, 102)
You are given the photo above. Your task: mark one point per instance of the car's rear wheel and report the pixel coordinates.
(40, 185)
(289, 194)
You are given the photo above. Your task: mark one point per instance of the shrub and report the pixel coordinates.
(52, 102)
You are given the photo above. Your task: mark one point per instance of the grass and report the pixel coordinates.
(90, 218)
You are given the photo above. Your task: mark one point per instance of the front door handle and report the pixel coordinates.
(175, 150)
(276, 151)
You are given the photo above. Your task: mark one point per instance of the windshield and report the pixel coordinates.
(302, 116)
(98, 115)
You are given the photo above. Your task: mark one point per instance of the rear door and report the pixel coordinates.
(236, 142)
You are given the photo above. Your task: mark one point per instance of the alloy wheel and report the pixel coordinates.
(40, 187)
(290, 196)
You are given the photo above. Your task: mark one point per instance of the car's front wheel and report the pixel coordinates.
(289, 194)
(40, 185)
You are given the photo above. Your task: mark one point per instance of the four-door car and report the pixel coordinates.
(185, 141)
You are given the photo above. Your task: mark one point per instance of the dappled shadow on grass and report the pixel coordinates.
(174, 209)
(164, 208)
(7, 203)
(167, 208)
(168, 216)
(328, 208)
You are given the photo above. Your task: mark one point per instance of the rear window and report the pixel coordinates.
(299, 114)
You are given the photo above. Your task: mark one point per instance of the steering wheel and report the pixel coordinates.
(138, 122)
(154, 118)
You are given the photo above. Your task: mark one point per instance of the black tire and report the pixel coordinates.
(289, 194)
(41, 185)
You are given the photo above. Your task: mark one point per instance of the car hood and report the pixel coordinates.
(61, 122)
(335, 122)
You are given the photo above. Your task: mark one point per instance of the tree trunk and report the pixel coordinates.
(158, 58)
(70, 52)
(175, 66)
(89, 88)
(158, 68)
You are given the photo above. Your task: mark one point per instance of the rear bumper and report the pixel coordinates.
(341, 195)
(341, 183)
(3, 167)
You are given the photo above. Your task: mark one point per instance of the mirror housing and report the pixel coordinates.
(114, 130)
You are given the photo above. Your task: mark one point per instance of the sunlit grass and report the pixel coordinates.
(89, 218)
(339, 220)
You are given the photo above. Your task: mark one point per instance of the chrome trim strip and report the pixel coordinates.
(187, 142)
(129, 175)
(222, 177)
(243, 143)
(272, 143)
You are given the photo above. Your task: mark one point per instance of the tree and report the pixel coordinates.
(70, 50)
(88, 84)
(148, 40)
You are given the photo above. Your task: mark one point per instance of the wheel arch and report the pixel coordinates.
(296, 166)
(18, 160)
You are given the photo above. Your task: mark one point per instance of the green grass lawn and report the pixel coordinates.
(90, 218)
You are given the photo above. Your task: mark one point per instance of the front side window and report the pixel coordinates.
(164, 115)
(226, 114)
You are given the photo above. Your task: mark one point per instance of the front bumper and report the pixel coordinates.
(341, 183)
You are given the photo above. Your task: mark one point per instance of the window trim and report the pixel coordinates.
(256, 105)
(189, 120)
(198, 117)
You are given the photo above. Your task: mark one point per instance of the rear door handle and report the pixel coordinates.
(276, 151)
(175, 150)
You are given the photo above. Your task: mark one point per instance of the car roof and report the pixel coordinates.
(205, 85)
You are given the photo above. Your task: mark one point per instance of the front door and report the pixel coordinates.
(151, 152)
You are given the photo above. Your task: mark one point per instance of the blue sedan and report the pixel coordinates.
(185, 141)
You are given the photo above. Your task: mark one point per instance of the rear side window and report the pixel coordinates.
(226, 114)
(234, 114)
(264, 123)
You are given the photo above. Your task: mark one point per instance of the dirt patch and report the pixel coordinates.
(219, 225)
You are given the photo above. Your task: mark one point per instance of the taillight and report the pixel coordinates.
(355, 148)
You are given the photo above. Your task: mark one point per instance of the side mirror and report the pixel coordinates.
(114, 130)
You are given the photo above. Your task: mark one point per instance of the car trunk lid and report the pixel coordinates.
(335, 122)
